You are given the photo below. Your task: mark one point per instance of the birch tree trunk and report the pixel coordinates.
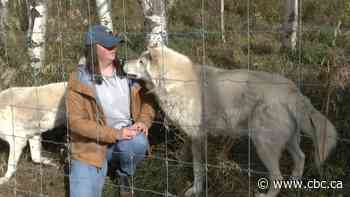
(36, 32)
(222, 8)
(3, 20)
(155, 22)
(290, 26)
(104, 13)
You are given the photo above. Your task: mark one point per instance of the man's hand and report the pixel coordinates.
(140, 127)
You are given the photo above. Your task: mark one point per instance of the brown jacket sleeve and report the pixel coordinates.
(81, 124)
(147, 112)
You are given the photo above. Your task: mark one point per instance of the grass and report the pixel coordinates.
(155, 176)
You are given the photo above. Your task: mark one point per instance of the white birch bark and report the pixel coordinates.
(36, 50)
(104, 13)
(3, 20)
(155, 22)
(290, 26)
(222, 7)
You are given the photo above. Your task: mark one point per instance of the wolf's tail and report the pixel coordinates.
(316, 125)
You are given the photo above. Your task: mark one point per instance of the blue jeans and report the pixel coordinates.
(88, 180)
(128, 153)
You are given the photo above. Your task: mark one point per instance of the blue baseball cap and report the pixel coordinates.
(99, 34)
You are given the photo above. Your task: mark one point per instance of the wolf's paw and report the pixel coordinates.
(191, 192)
(4, 180)
(295, 178)
(49, 162)
(170, 194)
(46, 161)
(260, 195)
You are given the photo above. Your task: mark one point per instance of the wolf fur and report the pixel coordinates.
(267, 107)
(25, 113)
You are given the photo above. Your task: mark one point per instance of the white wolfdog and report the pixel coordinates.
(267, 107)
(26, 112)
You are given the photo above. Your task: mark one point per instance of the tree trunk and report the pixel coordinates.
(104, 13)
(3, 20)
(222, 21)
(155, 22)
(36, 32)
(290, 26)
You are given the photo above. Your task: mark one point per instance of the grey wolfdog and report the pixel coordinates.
(267, 107)
(25, 113)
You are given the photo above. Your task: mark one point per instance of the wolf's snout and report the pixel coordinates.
(131, 69)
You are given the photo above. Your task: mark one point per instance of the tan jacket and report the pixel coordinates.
(89, 135)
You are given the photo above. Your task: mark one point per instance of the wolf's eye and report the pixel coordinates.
(141, 62)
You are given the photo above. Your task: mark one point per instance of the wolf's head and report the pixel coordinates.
(159, 63)
(139, 68)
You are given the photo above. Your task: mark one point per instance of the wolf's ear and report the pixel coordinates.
(148, 55)
(153, 53)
